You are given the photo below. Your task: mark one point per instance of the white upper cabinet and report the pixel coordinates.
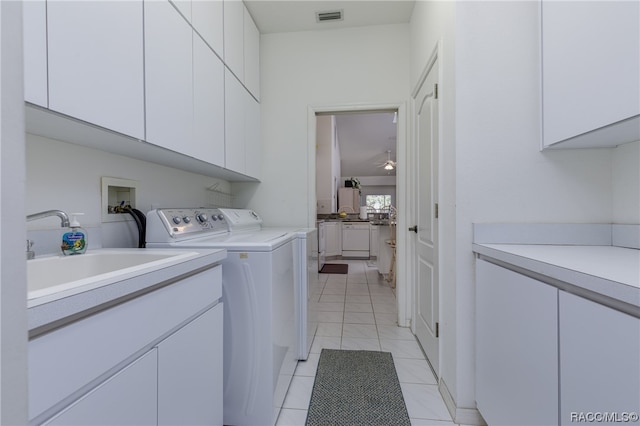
(169, 77)
(590, 69)
(242, 45)
(95, 63)
(242, 129)
(253, 151)
(234, 105)
(251, 55)
(208, 104)
(234, 37)
(148, 71)
(35, 51)
(207, 20)
(184, 7)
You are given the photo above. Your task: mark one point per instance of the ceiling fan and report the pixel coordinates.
(389, 164)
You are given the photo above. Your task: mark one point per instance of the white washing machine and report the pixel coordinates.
(258, 276)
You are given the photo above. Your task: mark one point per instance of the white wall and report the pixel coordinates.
(317, 68)
(67, 177)
(626, 183)
(13, 269)
(492, 170)
(500, 174)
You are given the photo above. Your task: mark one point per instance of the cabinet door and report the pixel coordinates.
(34, 18)
(184, 7)
(190, 373)
(95, 60)
(207, 20)
(169, 77)
(590, 66)
(252, 139)
(516, 348)
(334, 239)
(373, 241)
(234, 36)
(127, 398)
(251, 55)
(599, 359)
(208, 104)
(234, 105)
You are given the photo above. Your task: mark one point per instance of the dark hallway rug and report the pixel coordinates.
(335, 268)
(356, 388)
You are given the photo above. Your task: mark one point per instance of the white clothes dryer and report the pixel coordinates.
(258, 276)
(305, 258)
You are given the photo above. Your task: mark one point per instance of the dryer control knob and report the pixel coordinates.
(186, 219)
(220, 217)
(202, 217)
(176, 220)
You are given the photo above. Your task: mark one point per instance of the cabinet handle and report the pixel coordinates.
(414, 228)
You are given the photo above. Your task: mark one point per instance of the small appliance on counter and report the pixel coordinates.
(363, 212)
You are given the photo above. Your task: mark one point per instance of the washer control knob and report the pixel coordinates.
(214, 218)
(220, 217)
(186, 219)
(202, 217)
(176, 220)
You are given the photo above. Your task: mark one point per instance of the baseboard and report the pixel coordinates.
(461, 416)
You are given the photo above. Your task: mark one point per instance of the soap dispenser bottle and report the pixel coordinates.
(74, 241)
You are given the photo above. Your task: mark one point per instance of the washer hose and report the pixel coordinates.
(140, 219)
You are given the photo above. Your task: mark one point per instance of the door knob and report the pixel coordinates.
(414, 228)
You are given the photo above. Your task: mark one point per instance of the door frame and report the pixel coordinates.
(404, 294)
(436, 54)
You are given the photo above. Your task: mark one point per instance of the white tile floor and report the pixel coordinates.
(358, 311)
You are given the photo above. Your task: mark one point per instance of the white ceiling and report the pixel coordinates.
(364, 138)
(300, 15)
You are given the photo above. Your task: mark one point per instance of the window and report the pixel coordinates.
(378, 203)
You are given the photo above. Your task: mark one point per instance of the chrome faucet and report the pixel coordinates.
(64, 223)
(64, 218)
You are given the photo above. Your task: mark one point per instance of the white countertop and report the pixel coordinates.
(53, 309)
(607, 270)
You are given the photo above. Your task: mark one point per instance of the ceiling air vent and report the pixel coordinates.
(334, 15)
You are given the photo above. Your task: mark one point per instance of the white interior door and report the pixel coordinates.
(426, 193)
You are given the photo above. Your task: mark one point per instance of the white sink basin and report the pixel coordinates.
(53, 274)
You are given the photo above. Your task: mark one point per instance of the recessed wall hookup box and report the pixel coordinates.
(117, 192)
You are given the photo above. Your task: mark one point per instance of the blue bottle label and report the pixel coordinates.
(73, 242)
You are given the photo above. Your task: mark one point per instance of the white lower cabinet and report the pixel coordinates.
(374, 232)
(545, 356)
(154, 359)
(516, 348)
(600, 360)
(127, 398)
(190, 373)
(333, 235)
